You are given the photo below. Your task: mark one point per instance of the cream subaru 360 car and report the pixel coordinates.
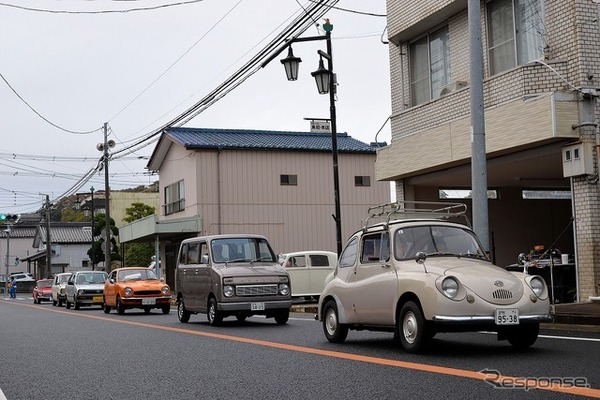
(417, 272)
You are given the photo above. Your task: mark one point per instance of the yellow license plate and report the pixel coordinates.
(97, 299)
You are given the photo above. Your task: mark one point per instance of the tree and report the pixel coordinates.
(96, 249)
(138, 254)
(138, 211)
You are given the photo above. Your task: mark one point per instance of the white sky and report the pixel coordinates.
(138, 70)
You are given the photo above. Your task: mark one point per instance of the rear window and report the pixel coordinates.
(319, 260)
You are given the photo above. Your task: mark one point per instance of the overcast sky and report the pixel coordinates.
(138, 70)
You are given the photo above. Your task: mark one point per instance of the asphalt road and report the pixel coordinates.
(53, 353)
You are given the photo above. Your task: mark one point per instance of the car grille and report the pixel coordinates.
(94, 291)
(502, 294)
(256, 290)
(147, 292)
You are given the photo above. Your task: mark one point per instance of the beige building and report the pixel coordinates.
(278, 184)
(541, 84)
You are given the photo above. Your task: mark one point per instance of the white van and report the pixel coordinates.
(308, 271)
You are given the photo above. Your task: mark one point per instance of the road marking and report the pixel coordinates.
(436, 369)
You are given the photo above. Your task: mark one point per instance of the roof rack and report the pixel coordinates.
(415, 210)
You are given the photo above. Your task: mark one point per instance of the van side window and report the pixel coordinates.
(183, 257)
(348, 257)
(203, 252)
(193, 253)
(319, 260)
(375, 248)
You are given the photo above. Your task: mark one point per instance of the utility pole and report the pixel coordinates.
(48, 242)
(108, 246)
(478, 150)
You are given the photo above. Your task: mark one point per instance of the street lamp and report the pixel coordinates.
(325, 81)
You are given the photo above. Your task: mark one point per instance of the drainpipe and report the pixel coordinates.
(219, 212)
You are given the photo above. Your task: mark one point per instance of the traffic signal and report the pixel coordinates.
(14, 218)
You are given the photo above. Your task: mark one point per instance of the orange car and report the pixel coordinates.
(136, 287)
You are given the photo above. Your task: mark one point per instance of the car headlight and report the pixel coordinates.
(128, 291)
(79, 292)
(284, 289)
(450, 287)
(228, 291)
(537, 285)
(165, 290)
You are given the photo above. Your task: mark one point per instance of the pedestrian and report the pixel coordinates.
(12, 288)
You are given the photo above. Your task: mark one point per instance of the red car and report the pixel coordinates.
(42, 291)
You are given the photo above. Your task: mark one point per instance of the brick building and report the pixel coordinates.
(541, 85)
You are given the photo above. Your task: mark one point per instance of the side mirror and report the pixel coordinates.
(420, 257)
(162, 279)
(522, 259)
(111, 281)
(204, 259)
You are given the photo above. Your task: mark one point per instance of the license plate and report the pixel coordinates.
(97, 299)
(148, 301)
(257, 306)
(507, 316)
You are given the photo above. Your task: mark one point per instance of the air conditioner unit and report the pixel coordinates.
(452, 87)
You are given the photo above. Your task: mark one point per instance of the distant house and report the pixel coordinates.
(279, 184)
(69, 242)
(18, 242)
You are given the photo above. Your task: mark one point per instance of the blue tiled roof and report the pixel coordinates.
(264, 140)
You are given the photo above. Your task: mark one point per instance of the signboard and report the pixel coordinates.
(320, 126)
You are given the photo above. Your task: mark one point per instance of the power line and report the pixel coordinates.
(149, 8)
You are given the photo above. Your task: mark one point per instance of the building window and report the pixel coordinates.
(429, 65)
(289, 180)
(174, 198)
(362, 181)
(546, 194)
(515, 33)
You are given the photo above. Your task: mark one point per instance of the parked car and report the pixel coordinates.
(136, 287)
(59, 286)
(42, 291)
(308, 271)
(85, 288)
(418, 273)
(21, 277)
(231, 275)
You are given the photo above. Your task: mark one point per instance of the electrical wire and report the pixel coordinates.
(149, 8)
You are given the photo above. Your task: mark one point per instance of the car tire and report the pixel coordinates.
(60, 302)
(410, 327)
(524, 336)
(334, 331)
(67, 304)
(54, 302)
(166, 309)
(282, 316)
(105, 307)
(76, 305)
(182, 313)
(119, 306)
(215, 318)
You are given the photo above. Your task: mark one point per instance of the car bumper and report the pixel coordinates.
(247, 305)
(487, 319)
(90, 300)
(43, 298)
(140, 301)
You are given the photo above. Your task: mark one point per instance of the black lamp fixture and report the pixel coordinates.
(291, 65)
(322, 76)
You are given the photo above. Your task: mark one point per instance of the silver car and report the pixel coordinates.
(417, 273)
(85, 288)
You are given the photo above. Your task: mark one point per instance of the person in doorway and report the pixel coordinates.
(12, 288)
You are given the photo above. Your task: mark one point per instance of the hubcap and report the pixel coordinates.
(211, 313)
(331, 322)
(409, 327)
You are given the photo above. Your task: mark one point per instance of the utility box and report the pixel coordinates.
(577, 160)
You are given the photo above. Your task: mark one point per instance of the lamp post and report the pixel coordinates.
(325, 81)
(92, 255)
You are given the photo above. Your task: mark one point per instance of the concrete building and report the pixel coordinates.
(541, 85)
(279, 184)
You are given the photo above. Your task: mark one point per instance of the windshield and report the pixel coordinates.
(241, 250)
(46, 283)
(136, 274)
(89, 278)
(436, 240)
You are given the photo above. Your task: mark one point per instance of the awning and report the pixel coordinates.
(146, 229)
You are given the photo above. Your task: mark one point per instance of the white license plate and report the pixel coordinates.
(148, 301)
(507, 316)
(257, 306)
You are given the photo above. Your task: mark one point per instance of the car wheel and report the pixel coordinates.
(120, 307)
(334, 331)
(54, 302)
(147, 310)
(241, 317)
(76, 305)
(166, 309)
(182, 313)
(410, 327)
(60, 302)
(282, 316)
(524, 336)
(105, 307)
(37, 301)
(214, 316)
(67, 304)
